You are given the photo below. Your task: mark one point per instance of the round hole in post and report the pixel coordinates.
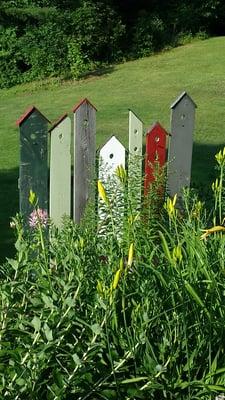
(135, 131)
(183, 116)
(157, 139)
(135, 148)
(156, 157)
(86, 123)
(60, 136)
(33, 136)
(111, 155)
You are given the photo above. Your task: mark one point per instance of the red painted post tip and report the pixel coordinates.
(26, 115)
(58, 121)
(83, 101)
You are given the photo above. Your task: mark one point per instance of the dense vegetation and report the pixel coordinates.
(40, 38)
(136, 313)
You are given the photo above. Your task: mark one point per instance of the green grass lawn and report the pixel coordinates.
(147, 86)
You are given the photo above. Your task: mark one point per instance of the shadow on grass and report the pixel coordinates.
(105, 70)
(203, 174)
(9, 206)
(204, 170)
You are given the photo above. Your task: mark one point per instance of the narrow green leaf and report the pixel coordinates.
(216, 388)
(165, 248)
(134, 380)
(157, 273)
(196, 297)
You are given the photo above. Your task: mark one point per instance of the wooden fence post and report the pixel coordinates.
(60, 170)
(111, 156)
(84, 155)
(155, 153)
(33, 173)
(181, 144)
(135, 161)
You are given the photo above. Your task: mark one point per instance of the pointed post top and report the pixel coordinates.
(111, 140)
(131, 111)
(57, 122)
(155, 126)
(84, 101)
(180, 98)
(27, 113)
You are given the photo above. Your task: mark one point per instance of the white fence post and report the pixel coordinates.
(111, 156)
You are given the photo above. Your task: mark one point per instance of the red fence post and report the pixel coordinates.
(155, 153)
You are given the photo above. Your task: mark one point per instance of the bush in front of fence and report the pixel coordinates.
(139, 315)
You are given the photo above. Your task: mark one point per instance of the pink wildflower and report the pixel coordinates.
(38, 216)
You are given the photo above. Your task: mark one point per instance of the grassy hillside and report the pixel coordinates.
(147, 86)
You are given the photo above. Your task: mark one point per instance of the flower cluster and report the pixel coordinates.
(170, 206)
(38, 217)
(214, 229)
(220, 157)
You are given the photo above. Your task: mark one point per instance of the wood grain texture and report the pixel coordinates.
(33, 173)
(181, 144)
(84, 156)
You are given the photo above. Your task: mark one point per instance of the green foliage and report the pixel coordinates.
(44, 51)
(98, 31)
(149, 35)
(48, 42)
(78, 36)
(79, 62)
(139, 316)
(9, 55)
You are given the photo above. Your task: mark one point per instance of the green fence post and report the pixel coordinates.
(33, 171)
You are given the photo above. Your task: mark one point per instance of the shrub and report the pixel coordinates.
(41, 51)
(44, 51)
(9, 58)
(98, 31)
(149, 35)
(79, 63)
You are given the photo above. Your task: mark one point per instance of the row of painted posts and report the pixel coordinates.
(53, 188)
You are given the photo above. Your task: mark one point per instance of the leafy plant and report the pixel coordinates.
(135, 315)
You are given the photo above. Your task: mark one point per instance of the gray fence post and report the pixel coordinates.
(181, 144)
(84, 155)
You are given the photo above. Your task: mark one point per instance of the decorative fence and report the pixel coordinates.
(50, 175)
